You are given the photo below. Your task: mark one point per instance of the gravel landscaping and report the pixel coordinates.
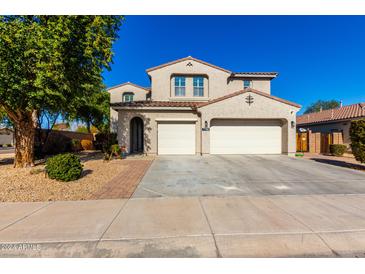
(31, 184)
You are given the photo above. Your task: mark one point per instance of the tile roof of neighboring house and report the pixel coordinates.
(198, 104)
(342, 113)
(129, 83)
(185, 59)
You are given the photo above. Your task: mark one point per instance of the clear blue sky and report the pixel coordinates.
(317, 57)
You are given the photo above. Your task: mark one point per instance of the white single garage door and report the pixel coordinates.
(245, 137)
(176, 138)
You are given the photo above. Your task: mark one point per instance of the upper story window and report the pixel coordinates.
(179, 86)
(247, 84)
(198, 86)
(128, 97)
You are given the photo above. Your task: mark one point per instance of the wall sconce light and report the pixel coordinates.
(206, 124)
(292, 124)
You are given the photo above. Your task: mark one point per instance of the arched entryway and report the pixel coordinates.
(136, 135)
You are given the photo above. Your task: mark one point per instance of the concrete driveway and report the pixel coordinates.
(218, 175)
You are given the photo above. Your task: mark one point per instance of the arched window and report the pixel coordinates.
(128, 96)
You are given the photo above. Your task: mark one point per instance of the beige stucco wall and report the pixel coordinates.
(116, 96)
(161, 79)
(263, 85)
(261, 108)
(150, 126)
(217, 83)
(232, 108)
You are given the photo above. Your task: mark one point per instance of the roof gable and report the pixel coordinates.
(249, 90)
(186, 59)
(128, 83)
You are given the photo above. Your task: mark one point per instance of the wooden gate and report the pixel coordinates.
(302, 142)
(317, 142)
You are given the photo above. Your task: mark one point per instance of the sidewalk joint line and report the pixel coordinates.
(307, 226)
(26, 216)
(115, 217)
(217, 251)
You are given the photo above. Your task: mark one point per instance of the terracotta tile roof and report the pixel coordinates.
(156, 104)
(185, 59)
(198, 104)
(342, 113)
(253, 91)
(129, 83)
(270, 75)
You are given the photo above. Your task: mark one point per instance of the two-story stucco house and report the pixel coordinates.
(194, 107)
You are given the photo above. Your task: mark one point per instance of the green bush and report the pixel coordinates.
(104, 141)
(338, 150)
(64, 167)
(76, 145)
(357, 134)
(115, 149)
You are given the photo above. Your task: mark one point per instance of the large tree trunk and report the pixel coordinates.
(24, 131)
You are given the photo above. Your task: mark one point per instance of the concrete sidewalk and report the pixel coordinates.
(266, 226)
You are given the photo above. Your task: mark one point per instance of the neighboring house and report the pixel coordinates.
(333, 120)
(194, 107)
(6, 136)
(62, 126)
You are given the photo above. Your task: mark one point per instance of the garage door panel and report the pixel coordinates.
(240, 137)
(176, 138)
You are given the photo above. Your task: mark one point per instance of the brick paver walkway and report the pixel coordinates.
(124, 184)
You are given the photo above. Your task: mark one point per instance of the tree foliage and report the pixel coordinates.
(50, 63)
(321, 104)
(357, 134)
(93, 111)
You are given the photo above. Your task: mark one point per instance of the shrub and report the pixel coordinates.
(104, 141)
(64, 167)
(87, 145)
(357, 134)
(115, 149)
(76, 145)
(338, 150)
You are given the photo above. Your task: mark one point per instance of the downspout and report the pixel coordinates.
(195, 109)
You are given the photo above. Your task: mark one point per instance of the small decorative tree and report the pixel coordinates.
(357, 134)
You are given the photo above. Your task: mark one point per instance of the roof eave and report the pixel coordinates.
(151, 108)
(254, 91)
(128, 83)
(185, 59)
(254, 75)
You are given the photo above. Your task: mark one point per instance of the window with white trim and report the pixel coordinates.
(179, 86)
(198, 86)
(128, 96)
(247, 84)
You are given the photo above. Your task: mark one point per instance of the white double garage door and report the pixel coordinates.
(226, 137)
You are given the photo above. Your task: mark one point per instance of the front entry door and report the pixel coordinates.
(136, 135)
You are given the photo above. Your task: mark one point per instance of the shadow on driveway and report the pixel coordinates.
(340, 163)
